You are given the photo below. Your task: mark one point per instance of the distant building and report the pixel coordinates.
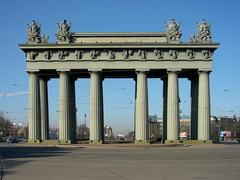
(9, 132)
(53, 133)
(152, 118)
(83, 132)
(108, 133)
(224, 123)
(155, 128)
(15, 130)
(120, 137)
(185, 128)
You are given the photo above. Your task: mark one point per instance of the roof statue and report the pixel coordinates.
(34, 30)
(203, 33)
(173, 30)
(64, 34)
(44, 39)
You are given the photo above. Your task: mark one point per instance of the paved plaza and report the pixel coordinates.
(114, 162)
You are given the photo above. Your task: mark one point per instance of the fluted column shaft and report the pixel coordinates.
(164, 134)
(44, 108)
(194, 108)
(64, 110)
(73, 109)
(203, 106)
(172, 106)
(34, 109)
(102, 109)
(135, 101)
(96, 113)
(141, 130)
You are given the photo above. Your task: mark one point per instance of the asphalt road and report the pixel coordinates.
(211, 162)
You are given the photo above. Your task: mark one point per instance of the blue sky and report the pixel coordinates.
(119, 16)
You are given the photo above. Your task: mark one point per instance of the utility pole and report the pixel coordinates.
(235, 127)
(219, 127)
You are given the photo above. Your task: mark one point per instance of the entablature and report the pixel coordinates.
(123, 52)
(114, 50)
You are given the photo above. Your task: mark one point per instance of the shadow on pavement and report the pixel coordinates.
(13, 156)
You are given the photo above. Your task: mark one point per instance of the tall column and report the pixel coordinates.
(135, 101)
(203, 106)
(164, 129)
(141, 131)
(34, 109)
(194, 107)
(172, 107)
(73, 109)
(102, 109)
(64, 109)
(44, 108)
(95, 108)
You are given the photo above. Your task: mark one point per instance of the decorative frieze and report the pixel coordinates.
(95, 54)
(62, 54)
(33, 55)
(206, 54)
(47, 55)
(120, 54)
(78, 54)
(173, 54)
(158, 53)
(126, 53)
(111, 54)
(142, 54)
(190, 53)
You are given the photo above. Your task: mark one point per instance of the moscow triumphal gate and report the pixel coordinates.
(139, 56)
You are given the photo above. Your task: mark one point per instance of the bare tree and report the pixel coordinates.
(4, 123)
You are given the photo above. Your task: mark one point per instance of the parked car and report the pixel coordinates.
(22, 139)
(2, 139)
(12, 140)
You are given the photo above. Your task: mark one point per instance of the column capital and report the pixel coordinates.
(142, 70)
(34, 71)
(164, 78)
(63, 70)
(135, 78)
(173, 70)
(193, 77)
(73, 78)
(45, 78)
(204, 70)
(94, 70)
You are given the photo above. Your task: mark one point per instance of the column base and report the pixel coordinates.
(50, 142)
(66, 141)
(188, 142)
(34, 141)
(95, 141)
(142, 142)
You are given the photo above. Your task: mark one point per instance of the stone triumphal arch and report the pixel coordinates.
(131, 55)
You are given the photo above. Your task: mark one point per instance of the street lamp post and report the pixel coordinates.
(219, 127)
